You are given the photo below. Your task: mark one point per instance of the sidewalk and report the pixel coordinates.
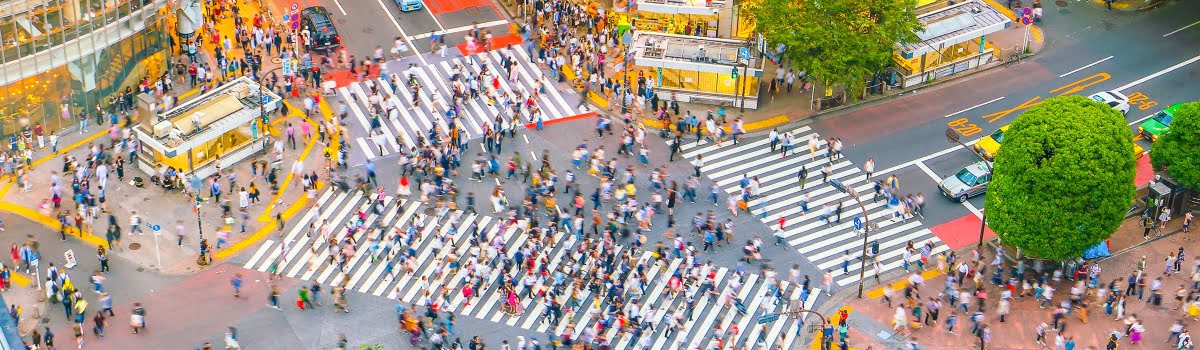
(1019, 330)
(168, 208)
(801, 104)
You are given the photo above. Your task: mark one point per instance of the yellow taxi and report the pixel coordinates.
(988, 146)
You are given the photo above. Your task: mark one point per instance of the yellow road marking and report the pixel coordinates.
(18, 278)
(899, 285)
(266, 215)
(1037, 34)
(820, 334)
(1005, 10)
(295, 207)
(50, 222)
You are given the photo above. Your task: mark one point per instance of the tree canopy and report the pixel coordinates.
(841, 42)
(1063, 179)
(1179, 150)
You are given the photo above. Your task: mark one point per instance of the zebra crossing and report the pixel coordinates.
(292, 257)
(821, 243)
(400, 130)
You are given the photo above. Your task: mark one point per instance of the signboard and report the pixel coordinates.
(744, 53)
(295, 25)
(157, 229)
(69, 255)
(770, 54)
(295, 7)
(858, 223)
(768, 318)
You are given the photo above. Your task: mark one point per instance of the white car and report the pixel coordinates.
(1116, 100)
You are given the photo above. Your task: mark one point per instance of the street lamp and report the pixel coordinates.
(954, 137)
(862, 269)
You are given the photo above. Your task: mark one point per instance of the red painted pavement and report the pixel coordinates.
(438, 7)
(343, 77)
(962, 232)
(183, 315)
(497, 42)
(562, 120)
(1145, 172)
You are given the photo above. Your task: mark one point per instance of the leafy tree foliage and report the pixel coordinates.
(1063, 180)
(841, 42)
(1179, 150)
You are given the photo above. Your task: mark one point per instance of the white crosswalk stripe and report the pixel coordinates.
(822, 242)
(400, 129)
(302, 253)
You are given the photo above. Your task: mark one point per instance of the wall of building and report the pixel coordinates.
(70, 55)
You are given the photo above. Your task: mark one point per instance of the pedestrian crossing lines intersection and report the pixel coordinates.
(304, 255)
(822, 242)
(401, 121)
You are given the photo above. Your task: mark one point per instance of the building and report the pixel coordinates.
(700, 70)
(219, 128)
(71, 55)
(954, 40)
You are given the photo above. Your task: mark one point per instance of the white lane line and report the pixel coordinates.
(1181, 29)
(523, 136)
(1157, 74)
(458, 29)
(407, 40)
(932, 175)
(1086, 67)
(973, 209)
(339, 5)
(976, 106)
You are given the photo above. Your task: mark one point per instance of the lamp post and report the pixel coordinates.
(745, 63)
(954, 137)
(862, 269)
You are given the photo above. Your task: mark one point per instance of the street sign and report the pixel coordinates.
(744, 53)
(70, 257)
(287, 17)
(953, 135)
(858, 223)
(155, 227)
(295, 25)
(1026, 20)
(768, 318)
(1027, 11)
(837, 184)
(296, 7)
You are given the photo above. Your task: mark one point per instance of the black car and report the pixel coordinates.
(319, 24)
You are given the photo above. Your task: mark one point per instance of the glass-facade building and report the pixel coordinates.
(59, 57)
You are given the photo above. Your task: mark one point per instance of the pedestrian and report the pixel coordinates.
(236, 282)
(137, 319)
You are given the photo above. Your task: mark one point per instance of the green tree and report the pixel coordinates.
(841, 42)
(1179, 150)
(1063, 180)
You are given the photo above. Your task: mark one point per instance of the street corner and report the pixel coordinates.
(443, 7)
(962, 232)
(1128, 5)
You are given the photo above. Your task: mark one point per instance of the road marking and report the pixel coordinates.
(973, 209)
(435, 19)
(1157, 74)
(928, 171)
(1181, 29)
(339, 5)
(459, 29)
(1085, 67)
(420, 56)
(974, 107)
(526, 137)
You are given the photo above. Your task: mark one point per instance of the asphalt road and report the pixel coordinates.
(1144, 55)
(365, 24)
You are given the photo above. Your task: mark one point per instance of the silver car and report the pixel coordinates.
(969, 182)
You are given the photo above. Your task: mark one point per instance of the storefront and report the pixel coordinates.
(954, 40)
(700, 70)
(219, 128)
(72, 55)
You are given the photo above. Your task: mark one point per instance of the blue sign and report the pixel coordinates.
(858, 223)
(287, 17)
(744, 53)
(155, 227)
(266, 99)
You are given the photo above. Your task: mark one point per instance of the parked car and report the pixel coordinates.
(971, 181)
(1116, 100)
(1158, 124)
(318, 22)
(409, 5)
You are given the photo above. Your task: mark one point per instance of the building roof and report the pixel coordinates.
(225, 108)
(715, 55)
(955, 24)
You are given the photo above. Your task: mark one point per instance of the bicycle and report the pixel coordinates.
(1014, 56)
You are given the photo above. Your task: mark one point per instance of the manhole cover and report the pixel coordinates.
(1061, 3)
(135, 246)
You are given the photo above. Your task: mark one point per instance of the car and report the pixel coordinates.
(1158, 124)
(318, 23)
(988, 146)
(409, 5)
(971, 181)
(1116, 100)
